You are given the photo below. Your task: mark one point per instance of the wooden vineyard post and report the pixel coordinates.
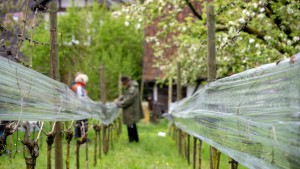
(211, 52)
(10, 146)
(108, 139)
(111, 135)
(174, 131)
(100, 145)
(170, 84)
(179, 142)
(120, 118)
(97, 129)
(50, 140)
(183, 137)
(86, 153)
(69, 136)
(232, 163)
(194, 152)
(77, 155)
(95, 147)
(54, 72)
(102, 84)
(211, 67)
(188, 149)
(199, 153)
(104, 140)
(179, 89)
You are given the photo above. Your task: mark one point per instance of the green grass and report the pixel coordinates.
(152, 152)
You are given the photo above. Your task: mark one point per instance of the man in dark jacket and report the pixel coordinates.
(132, 108)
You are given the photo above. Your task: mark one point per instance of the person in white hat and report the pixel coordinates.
(79, 88)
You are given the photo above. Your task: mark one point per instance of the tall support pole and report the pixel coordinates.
(211, 48)
(54, 72)
(180, 141)
(105, 141)
(170, 91)
(212, 75)
(179, 89)
(199, 154)
(120, 118)
(188, 149)
(170, 94)
(194, 152)
(232, 163)
(102, 84)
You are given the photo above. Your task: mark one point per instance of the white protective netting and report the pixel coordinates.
(253, 116)
(28, 95)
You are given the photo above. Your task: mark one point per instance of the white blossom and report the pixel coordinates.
(165, 27)
(242, 20)
(289, 42)
(137, 26)
(296, 38)
(261, 15)
(267, 37)
(116, 14)
(126, 23)
(290, 11)
(258, 52)
(261, 9)
(231, 23)
(251, 40)
(257, 45)
(255, 5)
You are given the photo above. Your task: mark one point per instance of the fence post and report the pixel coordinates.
(69, 136)
(211, 58)
(232, 163)
(54, 72)
(120, 118)
(179, 142)
(179, 90)
(211, 52)
(199, 153)
(194, 152)
(170, 91)
(188, 149)
(104, 139)
(100, 151)
(102, 84)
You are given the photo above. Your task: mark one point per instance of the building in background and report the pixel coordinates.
(151, 74)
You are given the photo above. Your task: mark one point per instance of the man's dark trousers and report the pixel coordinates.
(132, 133)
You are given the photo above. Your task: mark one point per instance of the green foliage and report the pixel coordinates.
(248, 34)
(89, 37)
(151, 152)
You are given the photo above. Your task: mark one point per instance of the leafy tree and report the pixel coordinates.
(87, 38)
(248, 33)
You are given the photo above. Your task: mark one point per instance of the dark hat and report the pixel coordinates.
(125, 79)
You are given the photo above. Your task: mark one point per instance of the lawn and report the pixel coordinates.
(152, 152)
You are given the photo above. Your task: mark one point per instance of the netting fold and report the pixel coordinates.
(28, 95)
(253, 116)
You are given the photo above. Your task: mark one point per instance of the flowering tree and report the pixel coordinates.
(248, 33)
